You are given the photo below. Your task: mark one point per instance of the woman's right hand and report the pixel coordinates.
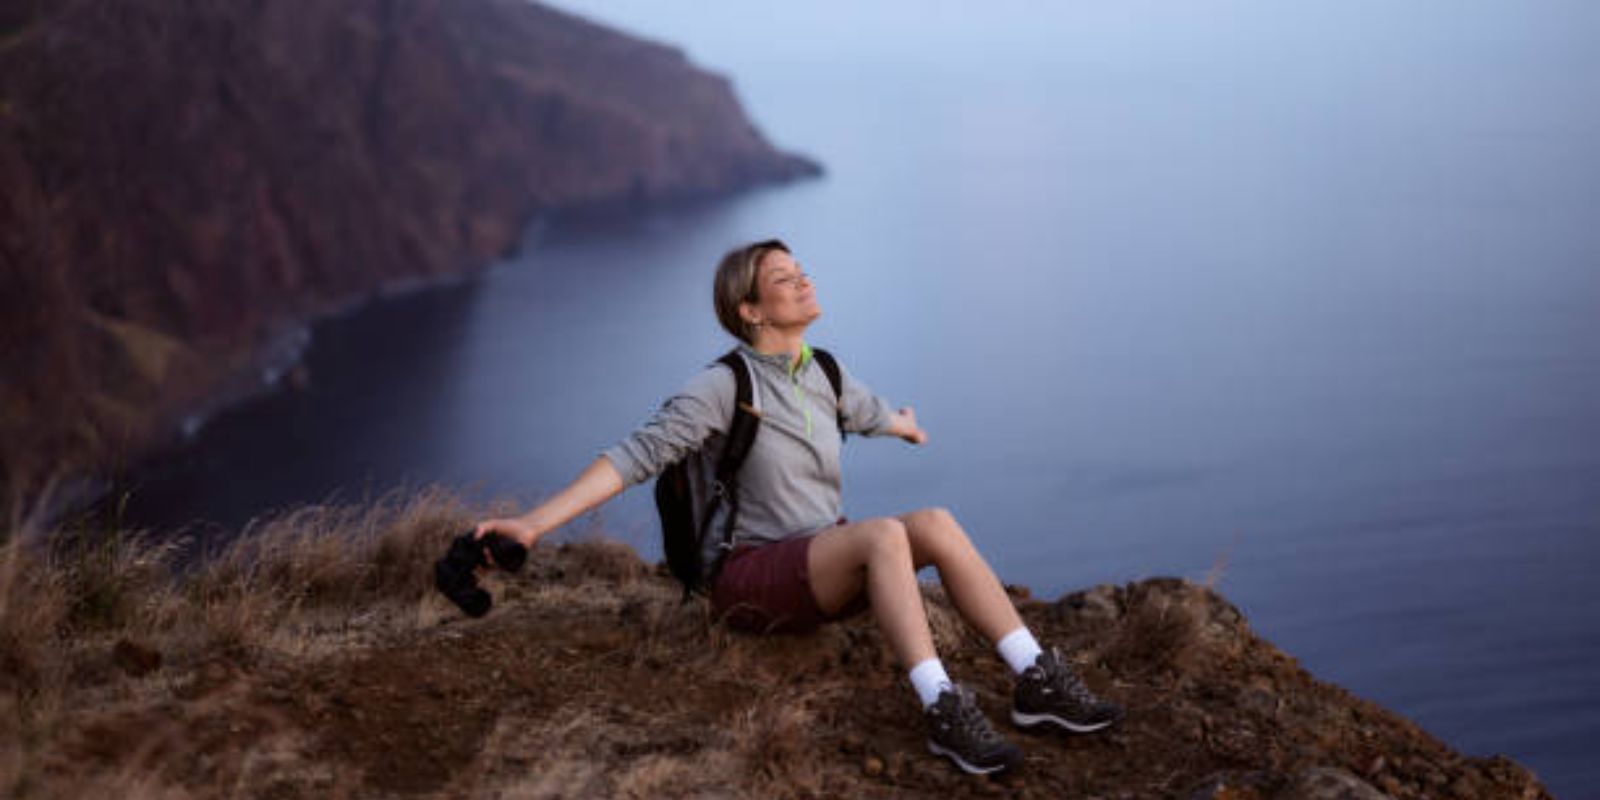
(515, 528)
(598, 483)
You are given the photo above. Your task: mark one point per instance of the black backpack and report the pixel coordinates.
(683, 526)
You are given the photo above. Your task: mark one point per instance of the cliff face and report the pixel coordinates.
(314, 659)
(178, 178)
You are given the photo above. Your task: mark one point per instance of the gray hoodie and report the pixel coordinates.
(790, 483)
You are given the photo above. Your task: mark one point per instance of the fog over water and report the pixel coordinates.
(1305, 295)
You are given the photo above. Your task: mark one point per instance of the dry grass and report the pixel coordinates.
(84, 603)
(1159, 631)
(318, 566)
(310, 657)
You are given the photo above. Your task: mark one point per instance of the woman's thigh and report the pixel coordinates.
(766, 589)
(838, 557)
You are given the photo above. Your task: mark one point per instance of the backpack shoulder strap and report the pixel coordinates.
(742, 431)
(742, 428)
(830, 367)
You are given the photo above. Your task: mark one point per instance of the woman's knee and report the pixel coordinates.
(859, 544)
(886, 538)
(933, 525)
(936, 536)
(931, 519)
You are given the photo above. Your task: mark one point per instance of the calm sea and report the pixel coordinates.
(1303, 295)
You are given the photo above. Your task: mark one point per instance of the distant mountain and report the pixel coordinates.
(180, 179)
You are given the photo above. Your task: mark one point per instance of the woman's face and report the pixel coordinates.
(788, 300)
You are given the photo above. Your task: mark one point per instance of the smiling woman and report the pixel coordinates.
(793, 561)
(789, 294)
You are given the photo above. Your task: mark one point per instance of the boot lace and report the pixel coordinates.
(969, 722)
(1058, 675)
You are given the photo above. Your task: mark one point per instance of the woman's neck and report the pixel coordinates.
(772, 341)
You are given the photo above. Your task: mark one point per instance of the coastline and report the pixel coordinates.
(429, 139)
(276, 362)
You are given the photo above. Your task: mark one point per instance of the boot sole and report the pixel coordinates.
(1030, 720)
(966, 766)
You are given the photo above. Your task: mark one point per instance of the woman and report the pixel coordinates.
(797, 563)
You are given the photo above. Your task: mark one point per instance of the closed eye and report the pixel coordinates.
(791, 279)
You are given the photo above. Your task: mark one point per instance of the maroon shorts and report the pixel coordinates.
(767, 589)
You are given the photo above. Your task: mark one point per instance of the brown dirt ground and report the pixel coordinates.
(591, 679)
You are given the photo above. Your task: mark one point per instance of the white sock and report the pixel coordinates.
(1019, 649)
(929, 679)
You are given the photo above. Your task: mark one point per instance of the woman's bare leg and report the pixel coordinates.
(937, 539)
(873, 555)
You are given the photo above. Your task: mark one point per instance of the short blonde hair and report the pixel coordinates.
(736, 283)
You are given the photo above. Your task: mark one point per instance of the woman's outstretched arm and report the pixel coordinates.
(702, 408)
(598, 482)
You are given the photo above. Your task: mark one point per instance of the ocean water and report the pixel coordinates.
(1303, 297)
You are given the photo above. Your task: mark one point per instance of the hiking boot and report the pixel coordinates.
(958, 729)
(1049, 691)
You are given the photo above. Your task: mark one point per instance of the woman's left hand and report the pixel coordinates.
(904, 425)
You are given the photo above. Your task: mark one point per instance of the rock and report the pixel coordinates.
(1257, 700)
(895, 767)
(872, 766)
(1390, 784)
(1330, 783)
(135, 659)
(1228, 786)
(1377, 765)
(1093, 605)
